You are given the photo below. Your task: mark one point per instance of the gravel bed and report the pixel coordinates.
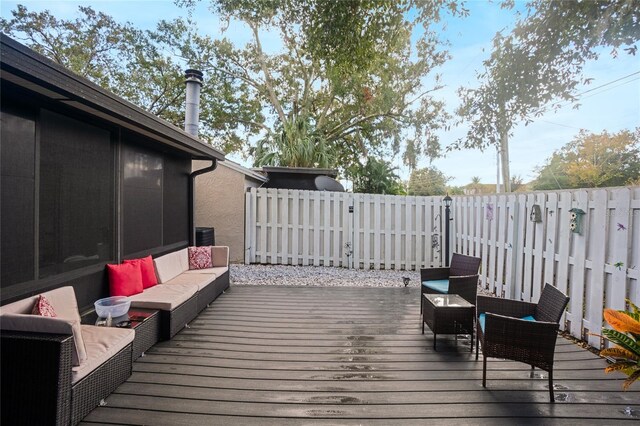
(322, 276)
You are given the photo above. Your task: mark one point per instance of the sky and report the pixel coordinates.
(613, 107)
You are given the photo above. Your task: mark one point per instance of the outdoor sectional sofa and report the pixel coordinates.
(56, 370)
(182, 293)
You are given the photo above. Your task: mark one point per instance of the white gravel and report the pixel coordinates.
(321, 276)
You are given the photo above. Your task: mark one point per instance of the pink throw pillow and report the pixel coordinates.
(200, 257)
(125, 279)
(147, 270)
(43, 308)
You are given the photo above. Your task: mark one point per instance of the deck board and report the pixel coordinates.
(314, 355)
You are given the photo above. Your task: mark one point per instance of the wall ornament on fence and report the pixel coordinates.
(489, 211)
(575, 220)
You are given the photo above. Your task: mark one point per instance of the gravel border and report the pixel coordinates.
(321, 276)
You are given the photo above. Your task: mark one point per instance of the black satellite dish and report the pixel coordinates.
(325, 183)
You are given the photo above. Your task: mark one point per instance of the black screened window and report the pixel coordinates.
(76, 214)
(141, 199)
(17, 158)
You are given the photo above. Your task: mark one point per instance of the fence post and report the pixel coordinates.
(249, 227)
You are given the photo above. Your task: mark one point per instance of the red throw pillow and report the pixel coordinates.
(200, 257)
(43, 308)
(125, 279)
(147, 270)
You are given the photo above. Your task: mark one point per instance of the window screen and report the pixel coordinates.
(141, 199)
(17, 140)
(76, 212)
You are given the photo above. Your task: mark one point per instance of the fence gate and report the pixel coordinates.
(364, 231)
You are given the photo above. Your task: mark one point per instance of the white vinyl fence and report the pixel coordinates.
(366, 231)
(597, 268)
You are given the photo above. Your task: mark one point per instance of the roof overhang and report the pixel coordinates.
(27, 69)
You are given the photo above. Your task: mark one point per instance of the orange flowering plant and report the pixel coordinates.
(626, 335)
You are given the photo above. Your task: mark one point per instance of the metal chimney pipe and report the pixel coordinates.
(192, 112)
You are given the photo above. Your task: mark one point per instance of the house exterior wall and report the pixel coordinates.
(220, 199)
(60, 208)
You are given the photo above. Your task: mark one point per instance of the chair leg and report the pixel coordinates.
(484, 372)
(531, 372)
(551, 397)
(477, 345)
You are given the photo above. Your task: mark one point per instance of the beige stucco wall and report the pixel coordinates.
(219, 199)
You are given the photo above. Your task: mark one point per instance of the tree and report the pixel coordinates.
(593, 161)
(144, 67)
(296, 145)
(350, 69)
(455, 190)
(541, 61)
(377, 176)
(517, 183)
(427, 181)
(475, 185)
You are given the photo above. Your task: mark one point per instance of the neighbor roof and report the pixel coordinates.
(26, 68)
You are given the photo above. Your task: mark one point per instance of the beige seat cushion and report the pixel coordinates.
(217, 271)
(102, 344)
(164, 297)
(63, 301)
(201, 280)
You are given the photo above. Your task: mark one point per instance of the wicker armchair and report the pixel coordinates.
(460, 278)
(520, 331)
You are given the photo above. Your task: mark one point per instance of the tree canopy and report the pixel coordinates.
(348, 69)
(427, 181)
(144, 67)
(375, 177)
(593, 161)
(540, 63)
(352, 71)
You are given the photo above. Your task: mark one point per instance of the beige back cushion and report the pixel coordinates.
(171, 265)
(17, 316)
(220, 256)
(183, 257)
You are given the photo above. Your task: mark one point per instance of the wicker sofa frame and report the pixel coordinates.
(462, 275)
(36, 379)
(213, 290)
(509, 337)
(171, 322)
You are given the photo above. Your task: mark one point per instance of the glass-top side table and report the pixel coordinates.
(447, 314)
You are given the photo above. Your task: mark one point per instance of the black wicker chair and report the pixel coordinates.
(520, 331)
(460, 278)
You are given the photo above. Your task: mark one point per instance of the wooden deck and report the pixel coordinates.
(283, 355)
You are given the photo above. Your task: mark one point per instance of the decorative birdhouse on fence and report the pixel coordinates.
(536, 214)
(575, 220)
